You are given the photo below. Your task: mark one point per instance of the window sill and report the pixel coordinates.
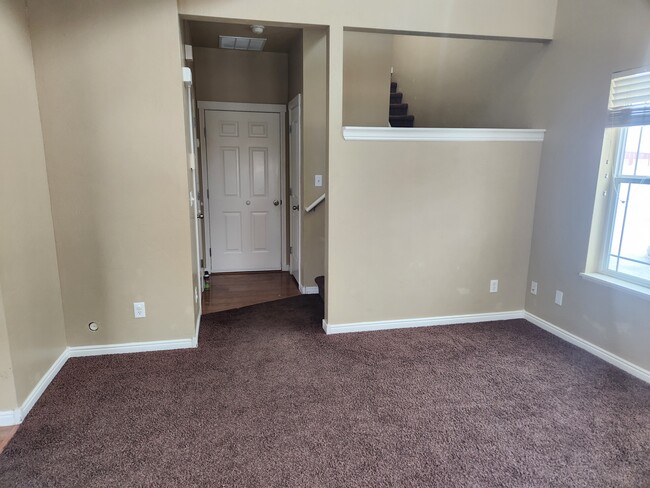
(625, 286)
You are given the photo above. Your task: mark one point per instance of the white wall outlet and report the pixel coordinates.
(533, 287)
(196, 295)
(559, 296)
(494, 286)
(318, 180)
(139, 312)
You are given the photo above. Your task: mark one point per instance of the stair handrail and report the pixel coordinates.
(316, 203)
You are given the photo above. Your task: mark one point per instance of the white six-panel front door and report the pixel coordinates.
(243, 162)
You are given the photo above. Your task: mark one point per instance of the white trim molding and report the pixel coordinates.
(10, 417)
(441, 134)
(15, 417)
(309, 290)
(197, 327)
(130, 347)
(618, 284)
(242, 107)
(613, 359)
(420, 322)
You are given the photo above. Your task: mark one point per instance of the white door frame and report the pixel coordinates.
(296, 102)
(243, 107)
(194, 201)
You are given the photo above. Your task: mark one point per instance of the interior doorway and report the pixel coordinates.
(287, 68)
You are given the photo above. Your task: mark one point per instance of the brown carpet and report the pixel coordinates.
(269, 400)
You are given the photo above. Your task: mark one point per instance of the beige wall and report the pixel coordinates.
(111, 97)
(505, 18)
(237, 76)
(295, 69)
(418, 229)
(460, 82)
(367, 61)
(32, 323)
(7, 386)
(314, 160)
(568, 95)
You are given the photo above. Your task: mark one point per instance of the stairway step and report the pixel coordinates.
(401, 120)
(396, 97)
(393, 87)
(399, 109)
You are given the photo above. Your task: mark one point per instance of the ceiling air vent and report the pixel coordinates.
(242, 43)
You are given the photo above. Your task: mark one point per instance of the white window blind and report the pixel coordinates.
(629, 99)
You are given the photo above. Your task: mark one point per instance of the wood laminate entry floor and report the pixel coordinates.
(236, 290)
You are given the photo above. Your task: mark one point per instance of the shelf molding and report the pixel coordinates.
(442, 134)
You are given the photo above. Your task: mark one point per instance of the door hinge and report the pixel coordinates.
(207, 193)
(290, 192)
(290, 250)
(210, 251)
(290, 129)
(201, 263)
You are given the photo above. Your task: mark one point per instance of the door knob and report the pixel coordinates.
(276, 202)
(295, 207)
(200, 216)
(248, 202)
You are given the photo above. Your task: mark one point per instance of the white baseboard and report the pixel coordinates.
(613, 359)
(15, 417)
(309, 290)
(421, 322)
(129, 347)
(9, 417)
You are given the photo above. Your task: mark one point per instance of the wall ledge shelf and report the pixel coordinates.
(441, 134)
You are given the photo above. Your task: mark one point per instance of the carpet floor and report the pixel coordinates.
(268, 399)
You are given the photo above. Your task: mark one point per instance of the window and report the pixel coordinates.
(624, 209)
(628, 246)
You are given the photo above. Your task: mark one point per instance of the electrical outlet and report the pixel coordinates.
(559, 296)
(196, 295)
(494, 286)
(533, 287)
(139, 312)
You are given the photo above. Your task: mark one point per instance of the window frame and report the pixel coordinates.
(613, 191)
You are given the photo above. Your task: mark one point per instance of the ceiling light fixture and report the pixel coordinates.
(257, 29)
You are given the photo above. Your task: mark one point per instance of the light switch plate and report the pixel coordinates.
(318, 180)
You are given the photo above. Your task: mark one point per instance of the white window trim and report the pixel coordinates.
(603, 269)
(618, 284)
